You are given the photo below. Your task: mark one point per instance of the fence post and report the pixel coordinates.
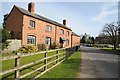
(74, 49)
(69, 52)
(66, 53)
(17, 64)
(57, 57)
(45, 61)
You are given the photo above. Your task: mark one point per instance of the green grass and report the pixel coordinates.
(7, 64)
(7, 54)
(67, 69)
(117, 51)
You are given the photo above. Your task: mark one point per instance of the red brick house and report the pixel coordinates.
(32, 28)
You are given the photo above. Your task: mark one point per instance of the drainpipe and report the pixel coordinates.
(71, 40)
(55, 32)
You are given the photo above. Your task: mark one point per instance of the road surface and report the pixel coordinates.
(97, 63)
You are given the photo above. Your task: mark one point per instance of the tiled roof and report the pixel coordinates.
(26, 12)
(75, 34)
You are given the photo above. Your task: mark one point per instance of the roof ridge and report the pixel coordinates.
(75, 34)
(35, 15)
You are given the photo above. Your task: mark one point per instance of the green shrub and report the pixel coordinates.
(5, 45)
(41, 47)
(53, 46)
(5, 36)
(27, 49)
(15, 51)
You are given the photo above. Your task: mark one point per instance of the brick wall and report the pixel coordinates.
(40, 32)
(14, 23)
(63, 35)
(75, 40)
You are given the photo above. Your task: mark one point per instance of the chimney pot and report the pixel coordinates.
(31, 7)
(64, 22)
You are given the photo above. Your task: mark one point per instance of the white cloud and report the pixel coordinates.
(108, 10)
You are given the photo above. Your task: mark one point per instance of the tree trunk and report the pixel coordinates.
(114, 46)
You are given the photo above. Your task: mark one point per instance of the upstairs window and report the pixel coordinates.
(67, 42)
(31, 39)
(32, 24)
(61, 31)
(48, 28)
(67, 33)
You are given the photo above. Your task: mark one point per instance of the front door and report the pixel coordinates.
(61, 42)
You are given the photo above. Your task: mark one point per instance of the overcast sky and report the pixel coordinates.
(82, 17)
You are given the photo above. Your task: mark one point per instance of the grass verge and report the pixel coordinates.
(67, 69)
(7, 64)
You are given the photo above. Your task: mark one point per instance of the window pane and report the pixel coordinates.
(32, 24)
(61, 31)
(67, 33)
(48, 28)
(67, 42)
(31, 39)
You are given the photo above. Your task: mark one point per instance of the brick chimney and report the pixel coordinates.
(64, 22)
(31, 7)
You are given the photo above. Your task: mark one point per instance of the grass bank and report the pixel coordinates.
(7, 64)
(67, 69)
(117, 51)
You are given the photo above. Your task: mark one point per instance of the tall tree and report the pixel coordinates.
(83, 40)
(119, 37)
(5, 35)
(112, 31)
(93, 40)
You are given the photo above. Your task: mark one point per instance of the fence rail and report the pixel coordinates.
(66, 53)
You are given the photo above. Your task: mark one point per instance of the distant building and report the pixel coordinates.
(34, 29)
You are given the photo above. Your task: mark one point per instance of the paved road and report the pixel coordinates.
(97, 63)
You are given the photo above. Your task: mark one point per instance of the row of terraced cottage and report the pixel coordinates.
(31, 28)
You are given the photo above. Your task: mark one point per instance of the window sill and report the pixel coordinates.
(48, 31)
(31, 44)
(31, 28)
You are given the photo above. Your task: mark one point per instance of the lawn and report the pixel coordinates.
(67, 69)
(7, 64)
(117, 51)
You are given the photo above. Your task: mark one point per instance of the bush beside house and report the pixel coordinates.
(5, 35)
(41, 47)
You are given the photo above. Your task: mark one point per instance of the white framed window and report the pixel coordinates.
(31, 39)
(67, 42)
(48, 40)
(32, 24)
(61, 31)
(48, 28)
(67, 33)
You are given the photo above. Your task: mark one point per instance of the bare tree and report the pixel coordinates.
(112, 31)
(119, 36)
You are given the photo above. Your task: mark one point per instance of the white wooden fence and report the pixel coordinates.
(66, 53)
